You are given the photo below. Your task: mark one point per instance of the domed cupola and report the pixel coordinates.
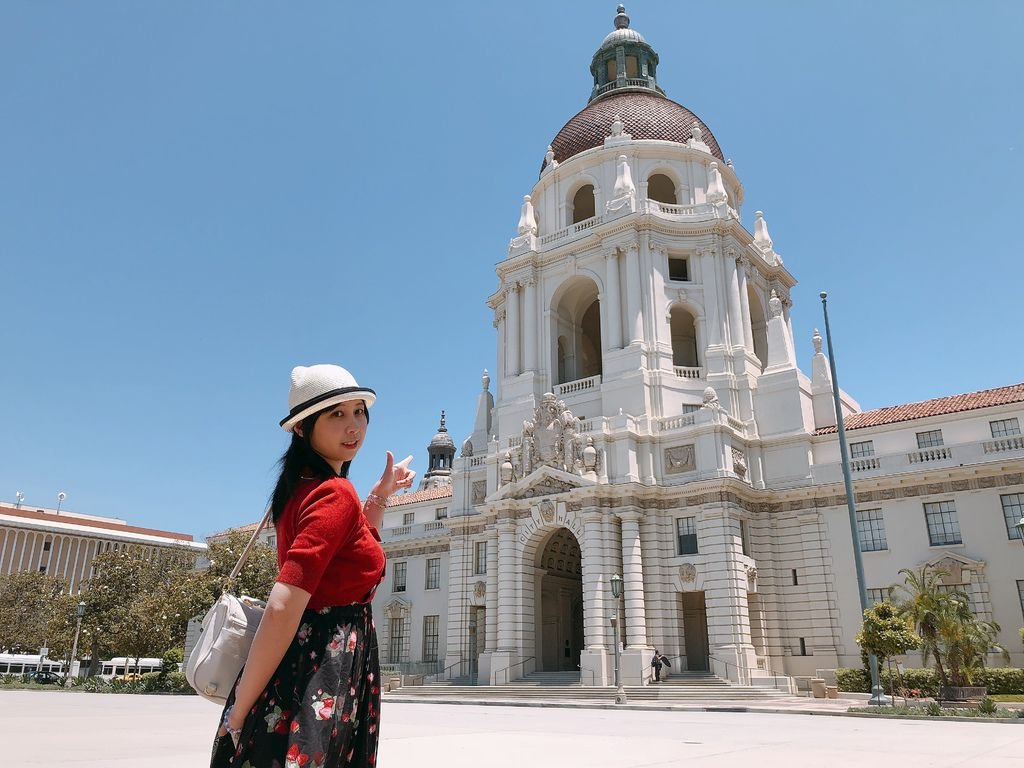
(624, 60)
(626, 91)
(441, 452)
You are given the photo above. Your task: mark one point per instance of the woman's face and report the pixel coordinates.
(339, 432)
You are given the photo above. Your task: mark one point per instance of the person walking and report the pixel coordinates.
(657, 662)
(309, 694)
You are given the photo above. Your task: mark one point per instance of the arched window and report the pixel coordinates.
(758, 326)
(661, 189)
(577, 331)
(583, 204)
(684, 338)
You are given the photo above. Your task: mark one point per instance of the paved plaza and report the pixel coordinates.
(82, 730)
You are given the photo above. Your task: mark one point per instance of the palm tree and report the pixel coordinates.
(928, 607)
(968, 641)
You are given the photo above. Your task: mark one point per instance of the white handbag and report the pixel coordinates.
(227, 633)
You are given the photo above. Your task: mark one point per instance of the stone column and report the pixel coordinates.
(634, 331)
(530, 325)
(507, 614)
(491, 617)
(613, 299)
(748, 336)
(633, 578)
(594, 615)
(512, 329)
(499, 326)
(709, 276)
(736, 337)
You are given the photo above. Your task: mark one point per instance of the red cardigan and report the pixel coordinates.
(326, 546)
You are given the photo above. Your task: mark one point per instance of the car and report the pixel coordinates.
(130, 677)
(43, 677)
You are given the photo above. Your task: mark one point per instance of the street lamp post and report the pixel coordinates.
(878, 697)
(80, 613)
(620, 692)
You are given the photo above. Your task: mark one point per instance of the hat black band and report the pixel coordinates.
(326, 396)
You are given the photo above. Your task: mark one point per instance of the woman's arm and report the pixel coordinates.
(393, 477)
(277, 628)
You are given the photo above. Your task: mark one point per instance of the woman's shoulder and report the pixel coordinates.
(334, 490)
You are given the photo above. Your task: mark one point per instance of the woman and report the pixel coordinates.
(309, 695)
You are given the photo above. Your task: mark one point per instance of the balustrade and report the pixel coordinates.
(688, 372)
(580, 385)
(676, 422)
(1001, 444)
(929, 454)
(859, 465)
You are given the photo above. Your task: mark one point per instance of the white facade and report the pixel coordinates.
(651, 422)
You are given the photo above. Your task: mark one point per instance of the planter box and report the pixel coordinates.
(952, 693)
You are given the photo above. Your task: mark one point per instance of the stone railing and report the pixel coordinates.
(688, 372)
(476, 461)
(515, 441)
(585, 425)
(909, 461)
(1000, 444)
(671, 209)
(433, 528)
(676, 422)
(570, 232)
(925, 455)
(580, 385)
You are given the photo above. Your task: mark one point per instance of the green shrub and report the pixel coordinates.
(934, 709)
(853, 680)
(987, 706)
(95, 685)
(126, 686)
(177, 683)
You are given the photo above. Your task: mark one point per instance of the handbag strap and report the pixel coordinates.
(248, 547)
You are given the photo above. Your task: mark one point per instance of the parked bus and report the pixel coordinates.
(119, 665)
(20, 663)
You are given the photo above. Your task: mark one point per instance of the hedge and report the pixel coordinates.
(998, 680)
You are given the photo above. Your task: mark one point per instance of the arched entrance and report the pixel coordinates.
(559, 591)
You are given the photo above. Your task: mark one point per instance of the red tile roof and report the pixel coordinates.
(89, 522)
(429, 494)
(940, 406)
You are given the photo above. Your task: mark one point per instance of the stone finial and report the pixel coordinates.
(467, 447)
(527, 221)
(549, 158)
(716, 187)
(775, 304)
(442, 428)
(711, 399)
(729, 162)
(617, 126)
(624, 186)
(486, 380)
(816, 341)
(506, 468)
(696, 133)
(621, 19)
(761, 237)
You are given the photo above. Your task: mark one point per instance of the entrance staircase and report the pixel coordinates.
(680, 688)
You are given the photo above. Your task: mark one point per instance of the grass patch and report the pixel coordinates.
(1009, 697)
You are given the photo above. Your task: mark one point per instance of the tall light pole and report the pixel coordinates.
(19, 497)
(878, 697)
(620, 692)
(80, 613)
(60, 500)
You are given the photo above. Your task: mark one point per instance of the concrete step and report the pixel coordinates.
(723, 692)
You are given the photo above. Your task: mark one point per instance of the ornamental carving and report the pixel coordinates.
(739, 463)
(479, 491)
(551, 438)
(480, 589)
(548, 487)
(680, 459)
(687, 573)
(547, 510)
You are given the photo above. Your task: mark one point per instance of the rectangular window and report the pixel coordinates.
(943, 526)
(42, 569)
(744, 538)
(1013, 511)
(441, 513)
(803, 647)
(877, 595)
(396, 640)
(796, 578)
(46, 546)
(480, 558)
(862, 450)
(1020, 595)
(686, 533)
(408, 518)
(1004, 427)
(930, 439)
(678, 269)
(398, 580)
(433, 573)
(871, 530)
(272, 541)
(430, 633)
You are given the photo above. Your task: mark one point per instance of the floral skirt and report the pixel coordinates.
(321, 709)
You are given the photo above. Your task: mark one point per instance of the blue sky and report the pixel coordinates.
(196, 196)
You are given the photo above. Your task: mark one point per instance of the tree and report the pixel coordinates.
(886, 633)
(27, 603)
(926, 607)
(258, 574)
(948, 627)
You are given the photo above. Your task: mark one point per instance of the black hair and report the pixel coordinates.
(300, 462)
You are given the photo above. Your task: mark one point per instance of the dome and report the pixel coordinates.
(619, 36)
(442, 440)
(645, 115)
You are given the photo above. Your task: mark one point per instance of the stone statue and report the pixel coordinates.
(527, 221)
(816, 341)
(617, 126)
(624, 186)
(711, 399)
(775, 304)
(549, 158)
